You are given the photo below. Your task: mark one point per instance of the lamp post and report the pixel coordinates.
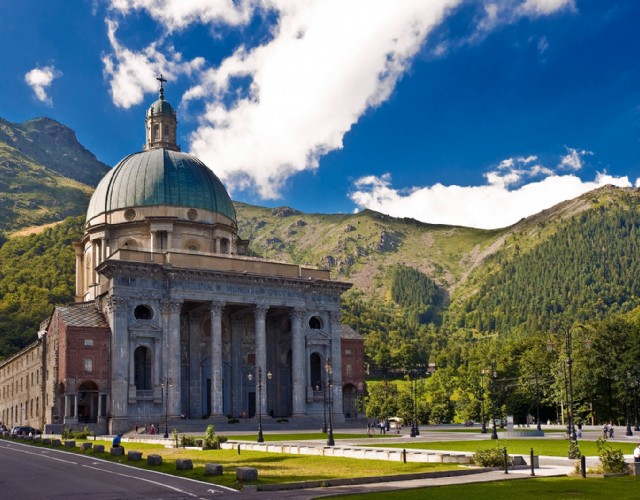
(627, 409)
(250, 377)
(329, 370)
(165, 386)
(415, 431)
(494, 430)
(484, 423)
(538, 404)
(634, 385)
(324, 407)
(568, 351)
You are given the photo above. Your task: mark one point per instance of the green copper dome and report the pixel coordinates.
(160, 176)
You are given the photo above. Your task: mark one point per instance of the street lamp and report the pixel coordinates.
(415, 431)
(494, 430)
(324, 407)
(250, 377)
(165, 386)
(568, 351)
(484, 424)
(538, 404)
(329, 370)
(634, 385)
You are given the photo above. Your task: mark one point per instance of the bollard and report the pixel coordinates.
(404, 456)
(533, 472)
(506, 463)
(583, 466)
(238, 448)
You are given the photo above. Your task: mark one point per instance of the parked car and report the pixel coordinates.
(25, 430)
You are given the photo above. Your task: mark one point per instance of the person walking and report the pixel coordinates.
(636, 454)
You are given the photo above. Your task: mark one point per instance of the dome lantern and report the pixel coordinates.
(161, 123)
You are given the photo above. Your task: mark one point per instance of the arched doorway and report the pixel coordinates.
(315, 364)
(350, 401)
(88, 403)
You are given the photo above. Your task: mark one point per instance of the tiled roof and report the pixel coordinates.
(346, 332)
(82, 315)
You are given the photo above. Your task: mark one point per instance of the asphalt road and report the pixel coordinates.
(29, 472)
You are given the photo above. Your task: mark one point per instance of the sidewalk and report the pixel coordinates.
(304, 494)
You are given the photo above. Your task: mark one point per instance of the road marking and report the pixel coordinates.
(157, 483)
(45, 455)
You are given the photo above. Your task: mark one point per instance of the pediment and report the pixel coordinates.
(318, 335)
(145, 326)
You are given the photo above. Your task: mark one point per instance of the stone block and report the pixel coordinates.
(246, 474)
(37, 439)
(69, 444)
(46, 440)
(134, 456)
(55, 442)
(118, 451)
(184, 464)
(635, 468)
(98, 448)
(85, 446)
(213, 469)
(154, 460)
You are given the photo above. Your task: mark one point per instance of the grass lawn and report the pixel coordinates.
(618, 488)
(554, 448)
(272, 467)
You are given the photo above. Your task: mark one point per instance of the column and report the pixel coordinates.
(117, 307)
(336, 361)
(237, 382)
(260, 313)
(79, 251)
(216, 358)
(298, 362)
(172, 358)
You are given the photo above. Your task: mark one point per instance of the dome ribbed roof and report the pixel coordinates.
(160, 177)
(161, 107)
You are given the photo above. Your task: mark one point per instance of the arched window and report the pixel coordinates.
(142, 361)
(156, 132)
(315, 363)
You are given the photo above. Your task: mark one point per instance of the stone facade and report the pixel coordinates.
(174, 320)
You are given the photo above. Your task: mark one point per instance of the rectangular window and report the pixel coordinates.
(88, 365)
(88, 342)
(347, 352)
(349, 371)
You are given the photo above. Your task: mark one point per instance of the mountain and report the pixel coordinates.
(45, 173)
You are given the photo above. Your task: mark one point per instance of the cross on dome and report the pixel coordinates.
(162, 80)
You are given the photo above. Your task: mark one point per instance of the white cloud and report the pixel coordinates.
(41, 78)
(132, 73)
(489, 206)
(573, 159)
(326, 63)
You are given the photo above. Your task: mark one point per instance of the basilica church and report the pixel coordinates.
(173, 318)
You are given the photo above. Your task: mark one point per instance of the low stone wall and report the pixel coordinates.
(394, 455)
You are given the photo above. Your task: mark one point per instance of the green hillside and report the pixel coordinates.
(45, 174)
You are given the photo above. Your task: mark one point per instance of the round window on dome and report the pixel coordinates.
(192, 214)
(143, 312)
(129, 214)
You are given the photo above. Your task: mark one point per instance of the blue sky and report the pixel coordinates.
(474, 113)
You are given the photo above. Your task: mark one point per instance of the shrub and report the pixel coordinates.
(491, 457)
(71, 434)
(612, 460)
(211, 441)
(188, 441)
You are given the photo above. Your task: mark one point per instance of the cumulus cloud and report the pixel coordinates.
(132, 74)
(39, 79)
(517, 188)
(573, 159)
(326, 63)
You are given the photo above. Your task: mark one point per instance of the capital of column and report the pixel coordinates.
(260, 311)
(115, 303)
(217, 308)
(171, 305)
(335, 316)
(297, 313)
